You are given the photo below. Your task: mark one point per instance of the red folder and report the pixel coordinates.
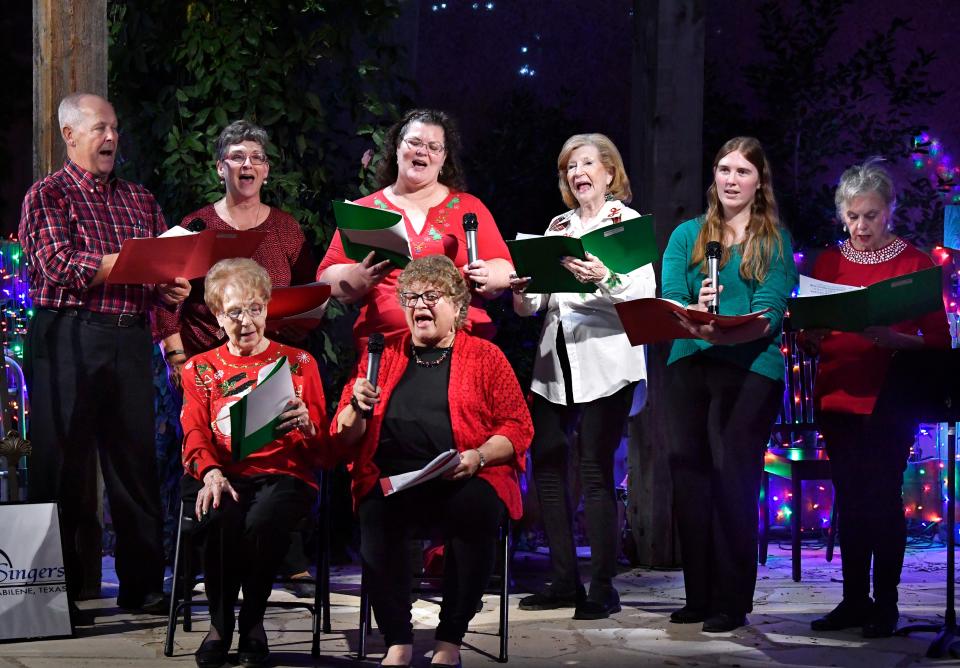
(654, 320)
(160, 260)
(298, 305)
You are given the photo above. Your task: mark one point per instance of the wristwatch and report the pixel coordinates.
(366, 415)
(483, 460)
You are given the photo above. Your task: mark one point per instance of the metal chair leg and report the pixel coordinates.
(172, 617)
(832, 535)
(504, 632)
(364, 619)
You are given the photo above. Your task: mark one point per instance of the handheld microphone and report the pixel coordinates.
(470, 225)
(374, 351)
(714, 251)
(196, 225)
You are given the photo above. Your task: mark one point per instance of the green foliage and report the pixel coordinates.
(316, 74)
(819, 113)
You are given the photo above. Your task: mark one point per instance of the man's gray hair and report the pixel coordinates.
(69, 111)
(870, 177)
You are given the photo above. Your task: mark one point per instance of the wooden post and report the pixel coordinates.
(666, 166)
(69, 55)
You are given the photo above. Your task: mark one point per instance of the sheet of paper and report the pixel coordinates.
(177, 231)
(437, 467)
(364, 229)
(812, 287)
(254, 418)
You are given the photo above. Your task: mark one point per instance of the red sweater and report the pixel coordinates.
(215, 380)
(442, 234)
(852, 369)
(285, 255)
(485, 399)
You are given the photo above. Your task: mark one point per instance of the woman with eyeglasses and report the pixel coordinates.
(421, 178)
(438, 389)
(243, 167)
(250, 506)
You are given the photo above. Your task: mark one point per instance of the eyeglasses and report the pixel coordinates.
(253, 310)
(430, 298)
(239, 158)
(434, 147)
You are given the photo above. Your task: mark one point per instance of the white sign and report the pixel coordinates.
(33, 583)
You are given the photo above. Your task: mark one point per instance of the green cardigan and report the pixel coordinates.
(681, 283)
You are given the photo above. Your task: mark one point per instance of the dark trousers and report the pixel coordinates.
(601, 427)
(467, 513)
(720, 420)
(91, 392)
(868, 455)
(252, 536)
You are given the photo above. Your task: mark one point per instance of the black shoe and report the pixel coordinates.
(687, 615)
(81, 617)
(722, 622)
(882, 621)
(211, 654)
(550, 600)
(846, 615)
(253, 652)
(301, 587)
(599, 604)
(155, 603)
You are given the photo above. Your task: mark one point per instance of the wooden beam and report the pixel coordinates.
(666, 165)
(69, 55)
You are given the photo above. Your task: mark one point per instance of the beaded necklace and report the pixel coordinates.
(436, 362)
(888, 252)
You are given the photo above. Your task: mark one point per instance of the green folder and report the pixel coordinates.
(623, 247)
(885, 303)
(364, 229)
(254, 419)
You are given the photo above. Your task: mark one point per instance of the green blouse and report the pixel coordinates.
(681, 283)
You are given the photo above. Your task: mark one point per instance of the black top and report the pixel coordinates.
(416, 427)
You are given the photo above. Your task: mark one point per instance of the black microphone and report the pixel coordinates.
(714, 251)
(196, 225)
(374, 351)
(470, 225)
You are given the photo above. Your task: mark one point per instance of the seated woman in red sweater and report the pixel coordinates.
(868, 451)
(438, 389)
(255, 502)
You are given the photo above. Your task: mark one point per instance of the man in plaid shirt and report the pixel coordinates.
(88, 356)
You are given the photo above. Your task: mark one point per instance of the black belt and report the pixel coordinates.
(115, 319)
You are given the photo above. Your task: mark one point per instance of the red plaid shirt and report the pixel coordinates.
(68, 222)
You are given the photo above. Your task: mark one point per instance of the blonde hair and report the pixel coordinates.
(763, 235)
(439, 273)
(239, 272)
(619, 186)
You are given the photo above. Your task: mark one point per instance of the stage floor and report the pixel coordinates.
(640, 635)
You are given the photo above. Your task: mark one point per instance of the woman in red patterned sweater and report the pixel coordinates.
(439, 388)
(868, 451)
(252, 503)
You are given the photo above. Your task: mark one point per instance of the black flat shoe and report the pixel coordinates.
(687, 615)
(846, 615)
(551, 600)
(599, 605)
(253, 652)
(211, 654)
(722, 622)
(882, 622)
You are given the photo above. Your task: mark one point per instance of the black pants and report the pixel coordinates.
(468, 514)
(91, 391)
(255, 534)
(720, 420)
(868, 455)
(601, 426)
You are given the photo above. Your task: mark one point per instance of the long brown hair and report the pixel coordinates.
(763, 235)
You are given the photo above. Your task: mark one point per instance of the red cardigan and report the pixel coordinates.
(215, 380)
(485, 399)
(852, 369)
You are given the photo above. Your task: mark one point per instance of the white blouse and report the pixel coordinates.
(601, 358)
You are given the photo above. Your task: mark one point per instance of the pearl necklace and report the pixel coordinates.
(436, 362)
(888, 252)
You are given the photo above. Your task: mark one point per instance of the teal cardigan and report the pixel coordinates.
(681, 283)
